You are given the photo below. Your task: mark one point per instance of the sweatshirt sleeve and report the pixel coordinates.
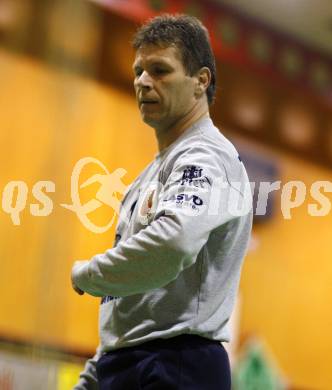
(88, 377)
(190, 204)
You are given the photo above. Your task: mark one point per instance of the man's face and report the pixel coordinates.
(164, 92)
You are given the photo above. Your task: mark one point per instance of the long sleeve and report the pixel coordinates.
(88, 377)
(190, 205)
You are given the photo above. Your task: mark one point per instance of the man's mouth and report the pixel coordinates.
(147, 101)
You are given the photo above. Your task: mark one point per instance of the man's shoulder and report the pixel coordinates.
(207, 141)
(207, 148)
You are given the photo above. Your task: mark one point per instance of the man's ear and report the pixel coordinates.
(203, 77)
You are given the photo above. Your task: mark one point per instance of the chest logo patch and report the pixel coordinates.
(147, 204)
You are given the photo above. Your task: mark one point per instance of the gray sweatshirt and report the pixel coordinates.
(181, 237)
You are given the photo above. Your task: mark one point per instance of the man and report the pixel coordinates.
(168, 285)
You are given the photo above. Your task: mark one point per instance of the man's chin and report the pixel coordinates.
(150, 121)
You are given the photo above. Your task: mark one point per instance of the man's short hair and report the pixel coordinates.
(189, 35)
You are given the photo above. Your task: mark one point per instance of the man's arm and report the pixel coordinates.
(184, 219)
(88, 377)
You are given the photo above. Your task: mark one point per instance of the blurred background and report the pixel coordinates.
(66, 94)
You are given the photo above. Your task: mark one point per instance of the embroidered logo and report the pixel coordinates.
(192, 176)
(186, 200)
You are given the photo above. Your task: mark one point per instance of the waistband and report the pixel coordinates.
(182, 341)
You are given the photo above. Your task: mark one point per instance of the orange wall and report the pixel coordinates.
(286, 284)
(49, 120)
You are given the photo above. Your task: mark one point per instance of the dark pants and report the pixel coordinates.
(180, 363)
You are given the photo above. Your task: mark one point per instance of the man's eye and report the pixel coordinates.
(160, 71)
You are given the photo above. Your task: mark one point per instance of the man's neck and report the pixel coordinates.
(168, 136)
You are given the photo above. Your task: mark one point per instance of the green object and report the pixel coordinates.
(320, 76)
(291, 62)
(194, 9)
(228, 30)
(254, 372)
(157, 5)
(260, 48)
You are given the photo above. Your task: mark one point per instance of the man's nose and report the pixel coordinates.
(144, 80)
